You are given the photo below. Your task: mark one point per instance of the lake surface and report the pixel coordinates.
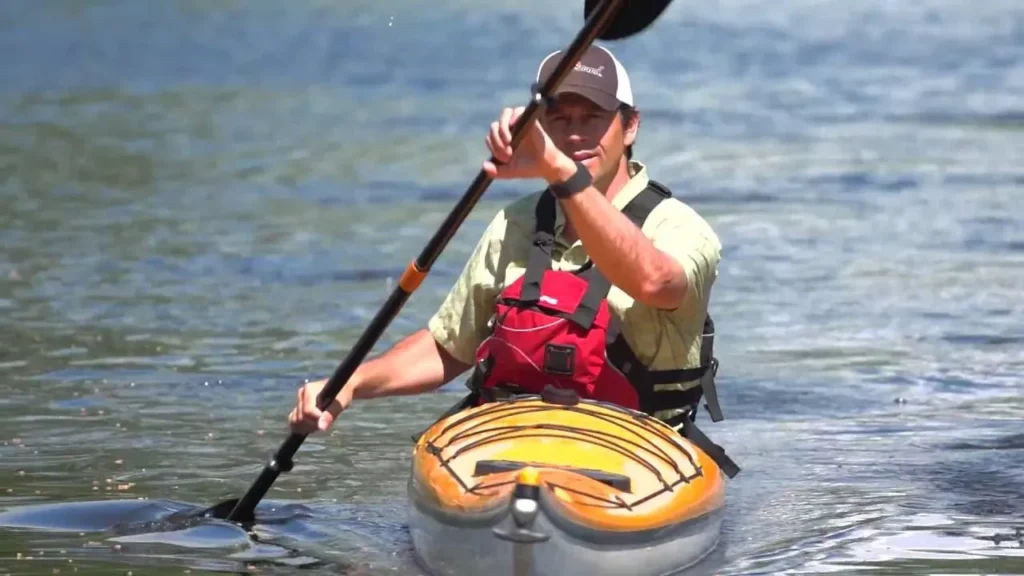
(202, 204)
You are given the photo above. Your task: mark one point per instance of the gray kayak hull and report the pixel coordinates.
(452, 544)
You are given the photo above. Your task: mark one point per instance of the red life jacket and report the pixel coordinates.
(556, 328)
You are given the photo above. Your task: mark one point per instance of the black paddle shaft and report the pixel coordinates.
(597, 21)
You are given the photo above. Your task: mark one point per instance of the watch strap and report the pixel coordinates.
(576, 183)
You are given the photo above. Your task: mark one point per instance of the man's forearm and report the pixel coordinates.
(621, 250)
(414, 365)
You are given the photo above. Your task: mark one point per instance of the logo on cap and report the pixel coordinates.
(589, 69)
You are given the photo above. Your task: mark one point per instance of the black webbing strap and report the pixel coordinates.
(707, 380)
(597, 290)
(640, 207)
(540, 252)
(716, 452)
(540, 260)
(621, 354)
(644, 380)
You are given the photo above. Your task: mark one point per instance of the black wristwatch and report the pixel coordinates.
(576, 183)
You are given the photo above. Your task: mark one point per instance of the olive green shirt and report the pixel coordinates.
(661, 339)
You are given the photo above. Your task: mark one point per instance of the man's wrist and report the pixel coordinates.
(567, 178)
(360, 388)
(561, 170)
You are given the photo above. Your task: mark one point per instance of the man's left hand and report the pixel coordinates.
(535, 157)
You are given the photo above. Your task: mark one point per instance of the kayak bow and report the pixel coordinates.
(529, 486)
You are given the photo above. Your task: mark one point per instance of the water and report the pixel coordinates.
(203, 203)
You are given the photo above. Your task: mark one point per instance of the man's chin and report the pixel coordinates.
(592, 162)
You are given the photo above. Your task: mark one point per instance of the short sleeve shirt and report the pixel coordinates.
(661, 339)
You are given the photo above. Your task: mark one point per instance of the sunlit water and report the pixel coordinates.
(203, 204)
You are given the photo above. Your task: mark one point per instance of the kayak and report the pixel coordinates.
(530, 486)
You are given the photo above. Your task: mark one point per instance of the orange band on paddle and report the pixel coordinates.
(411, 278)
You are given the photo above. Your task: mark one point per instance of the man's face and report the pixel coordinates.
(588, 133)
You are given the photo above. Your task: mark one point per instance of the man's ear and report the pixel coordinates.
(632, 126)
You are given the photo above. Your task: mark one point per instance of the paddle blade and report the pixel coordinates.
(632, 17)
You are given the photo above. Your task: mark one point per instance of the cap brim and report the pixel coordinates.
(602, 99)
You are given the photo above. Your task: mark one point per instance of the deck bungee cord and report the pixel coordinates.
(490, 425)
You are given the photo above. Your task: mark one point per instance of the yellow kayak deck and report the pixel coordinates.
(607, 468)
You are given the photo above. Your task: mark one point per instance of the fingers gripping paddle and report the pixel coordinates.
(607, 19)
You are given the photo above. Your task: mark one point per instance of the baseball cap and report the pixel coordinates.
(598, 76)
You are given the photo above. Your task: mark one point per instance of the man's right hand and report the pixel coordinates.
(306, 418)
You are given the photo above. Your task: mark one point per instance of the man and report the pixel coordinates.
(660, 268)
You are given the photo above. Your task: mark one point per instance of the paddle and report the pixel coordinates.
(607, 19)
